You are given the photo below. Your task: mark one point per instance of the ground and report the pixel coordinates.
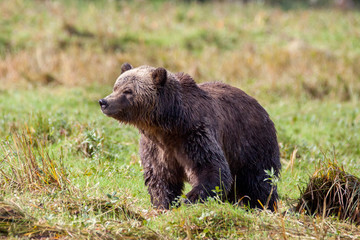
(58, 59)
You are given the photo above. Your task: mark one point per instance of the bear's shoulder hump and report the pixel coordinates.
(185, 78)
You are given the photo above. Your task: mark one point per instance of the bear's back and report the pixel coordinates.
(245, 128)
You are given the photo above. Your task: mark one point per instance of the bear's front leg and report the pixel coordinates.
(164, 177)
(206, 167)
(206, 183)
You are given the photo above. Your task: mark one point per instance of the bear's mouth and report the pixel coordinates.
(105, 110)
(103, 107)
(108, 113)
(111, 112)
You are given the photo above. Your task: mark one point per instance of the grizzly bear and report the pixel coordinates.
(212, 135)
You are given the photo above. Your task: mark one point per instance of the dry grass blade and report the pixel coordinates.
(332, 192)
(14, 223)
(103, 207)
(26, 167)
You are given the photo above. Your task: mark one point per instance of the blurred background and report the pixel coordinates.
(291, 48)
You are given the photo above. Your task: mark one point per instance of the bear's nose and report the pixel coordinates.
(103, 103)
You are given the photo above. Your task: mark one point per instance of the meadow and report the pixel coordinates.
(67, 171)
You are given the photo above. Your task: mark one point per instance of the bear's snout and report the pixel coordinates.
(103, 103)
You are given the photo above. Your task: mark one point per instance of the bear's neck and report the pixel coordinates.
(168, 117)
(172, 115)
(161, 137)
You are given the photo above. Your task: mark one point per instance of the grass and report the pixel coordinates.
(67, 171)
(14, 223)
(31, 170)
(332, 192)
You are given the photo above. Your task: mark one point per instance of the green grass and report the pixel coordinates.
(58, 58)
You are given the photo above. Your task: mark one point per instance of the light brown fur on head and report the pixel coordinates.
(135, 94)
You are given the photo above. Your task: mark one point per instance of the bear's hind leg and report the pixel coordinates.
(253, 191)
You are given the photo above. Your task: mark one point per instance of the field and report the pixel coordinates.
(67, 171)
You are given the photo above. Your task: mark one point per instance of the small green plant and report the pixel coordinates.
(92, 144)
(273, 179)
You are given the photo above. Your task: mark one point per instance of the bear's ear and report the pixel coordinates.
(159, 76)
(125, 67)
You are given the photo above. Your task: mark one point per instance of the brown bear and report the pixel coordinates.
(212, 135)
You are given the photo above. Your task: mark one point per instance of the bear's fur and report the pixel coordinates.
(209, 134)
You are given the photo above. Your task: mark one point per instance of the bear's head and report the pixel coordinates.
(136, 93)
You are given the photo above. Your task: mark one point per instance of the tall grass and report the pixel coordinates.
(332, 192)
(27, 165)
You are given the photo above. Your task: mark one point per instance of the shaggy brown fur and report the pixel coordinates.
(210, 135)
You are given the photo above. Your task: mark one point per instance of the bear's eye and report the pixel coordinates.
(128, 91)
